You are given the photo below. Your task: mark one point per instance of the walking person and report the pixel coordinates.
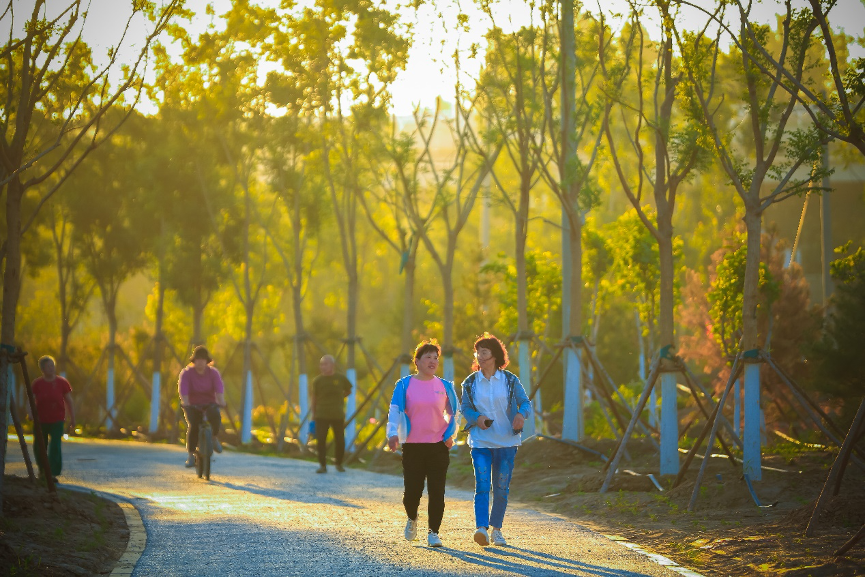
(330, 389)
(495, 406)
(53, 396)
(423, 419)
(200, 387)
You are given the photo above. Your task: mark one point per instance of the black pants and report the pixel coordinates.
(322, 426)
(193, 421)
(425, 461)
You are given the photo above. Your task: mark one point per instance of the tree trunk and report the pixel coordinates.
(666, 281)
(751, 280)
(575, 234)
(247, 386)
(111, 421)
(12, 271)
(155, 393)
(521, 219)
(197, 315)
(408, 305)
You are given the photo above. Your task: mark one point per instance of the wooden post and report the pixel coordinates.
(39, 440)
(854, 435)
(737, 419)
(13, 410)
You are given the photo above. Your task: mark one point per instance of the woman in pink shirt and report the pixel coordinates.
(423, 419)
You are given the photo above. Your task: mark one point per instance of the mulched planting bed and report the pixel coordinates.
(70, 533)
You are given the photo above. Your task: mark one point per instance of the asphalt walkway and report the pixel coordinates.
(272, 516)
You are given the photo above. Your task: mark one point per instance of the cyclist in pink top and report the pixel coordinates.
(201, 393)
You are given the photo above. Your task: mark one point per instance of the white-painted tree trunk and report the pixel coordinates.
(572, 417)
(525, 360)
(154, 403)
(669, 455)
(247, 423)
(752, 427)
(448, 368)
(351, 404)
(304, 403)
(109, 398)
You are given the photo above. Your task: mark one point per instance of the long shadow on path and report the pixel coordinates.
(283, 495)
(505, 559)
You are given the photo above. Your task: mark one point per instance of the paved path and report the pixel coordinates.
(271, 516)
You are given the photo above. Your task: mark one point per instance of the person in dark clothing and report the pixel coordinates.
(330, 390)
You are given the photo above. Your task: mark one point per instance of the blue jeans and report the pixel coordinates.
(492, 467)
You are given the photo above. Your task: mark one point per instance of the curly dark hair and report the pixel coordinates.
(427, 346)
(495, 346)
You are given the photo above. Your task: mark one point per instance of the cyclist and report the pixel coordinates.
(200, 384)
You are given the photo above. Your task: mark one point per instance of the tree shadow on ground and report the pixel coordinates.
(529, 562)
(284, 495)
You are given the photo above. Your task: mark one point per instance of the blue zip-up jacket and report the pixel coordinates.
(398, 422)
(518, 402)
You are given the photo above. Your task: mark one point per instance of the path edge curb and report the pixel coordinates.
(137, 542)
(665, 562)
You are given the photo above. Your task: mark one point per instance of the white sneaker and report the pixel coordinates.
(411, 530)
(498, 539)
(481, 537)
(433, 540)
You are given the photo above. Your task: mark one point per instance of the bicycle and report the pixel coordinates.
(204, 450)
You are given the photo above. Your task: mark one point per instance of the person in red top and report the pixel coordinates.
(199, 385)
(53, 396)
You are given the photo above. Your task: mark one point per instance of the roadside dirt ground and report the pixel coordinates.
(726, 535)
(69, 533)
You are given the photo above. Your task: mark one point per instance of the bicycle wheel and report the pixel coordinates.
(198, 463)
(205, 444)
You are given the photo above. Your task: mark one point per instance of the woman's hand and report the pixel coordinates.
(517, 424)
(449, 442)
(393, 443)
(480, 422)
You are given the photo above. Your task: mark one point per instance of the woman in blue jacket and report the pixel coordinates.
(423, 418)
(495, 406)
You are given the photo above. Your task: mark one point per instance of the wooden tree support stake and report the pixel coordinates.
(612, 464)
(13, 410)
(855, 433)
(851, 542)
(711, 420)
(714, 429)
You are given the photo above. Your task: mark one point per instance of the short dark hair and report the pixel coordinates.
(495, 346)
(427, 346)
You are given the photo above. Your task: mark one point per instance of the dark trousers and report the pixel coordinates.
(55, 458)
(425, 461)
(322, 426)
(193, 422)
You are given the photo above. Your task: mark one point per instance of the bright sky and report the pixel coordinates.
(429, 72)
